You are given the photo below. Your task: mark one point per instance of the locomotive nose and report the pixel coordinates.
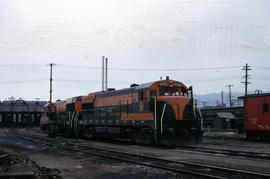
(177, 121)
(178, 105)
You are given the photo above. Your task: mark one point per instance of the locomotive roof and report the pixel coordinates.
(116, 92)
(143, 86)
(125, 90)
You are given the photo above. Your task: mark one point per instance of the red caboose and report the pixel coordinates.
(257, 115)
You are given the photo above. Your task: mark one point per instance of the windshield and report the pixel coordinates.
(163, 92)
(175, 92)
(168, 92)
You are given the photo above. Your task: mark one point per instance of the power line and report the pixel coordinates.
(214, 79)
(262, 67)
(261, 78)
(152, 69)
(11, 66)
(98, 82)
(87, 81)
(135, 69)
(60, 80)
(128, 69)
(23, 81)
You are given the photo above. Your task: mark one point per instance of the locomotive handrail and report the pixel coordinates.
(85, 110)
(71, 120)
(194, 110)
(76, 118)
(155, 116)
(178, 110)
(161, 119)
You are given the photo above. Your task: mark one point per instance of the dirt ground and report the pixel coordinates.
(76, 165)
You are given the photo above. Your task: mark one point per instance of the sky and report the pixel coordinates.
(203, 43)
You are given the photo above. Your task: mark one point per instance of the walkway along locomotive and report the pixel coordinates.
(161, 112)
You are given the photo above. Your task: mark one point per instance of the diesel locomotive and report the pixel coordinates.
(159, 112)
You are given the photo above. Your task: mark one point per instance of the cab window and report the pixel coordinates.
(141, 95)
(175, 92)
(135, 96)
(153, 93)
(163, 92)
(184, 92)
(146, 94)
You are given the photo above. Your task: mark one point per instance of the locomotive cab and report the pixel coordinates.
(174, 113)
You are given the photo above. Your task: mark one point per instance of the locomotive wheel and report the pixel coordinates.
(89, 132)
(42, 126)
(263, 136)
(134, 138)
(251, 136)
(139, 137)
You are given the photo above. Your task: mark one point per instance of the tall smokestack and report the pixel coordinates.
(102, 73)
(106, 74)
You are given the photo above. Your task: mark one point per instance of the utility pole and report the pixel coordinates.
(51, 65)
(246, 68)
(222, 102)
(230, 94)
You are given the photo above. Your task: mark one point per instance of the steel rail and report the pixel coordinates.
(222, 169)
(207, 169)
(265, 156)
(124, 159)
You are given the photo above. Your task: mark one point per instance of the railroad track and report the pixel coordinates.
(182, 167)
(247, 154)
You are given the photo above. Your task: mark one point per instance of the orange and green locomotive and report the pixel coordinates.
(160, 112)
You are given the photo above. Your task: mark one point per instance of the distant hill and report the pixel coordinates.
(215, 100)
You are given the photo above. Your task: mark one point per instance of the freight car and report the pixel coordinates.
(161, 112)
(257, 115)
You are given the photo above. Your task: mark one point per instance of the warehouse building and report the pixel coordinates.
(18, 113)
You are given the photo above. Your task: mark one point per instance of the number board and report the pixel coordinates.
(163, 84)
(176, 85)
